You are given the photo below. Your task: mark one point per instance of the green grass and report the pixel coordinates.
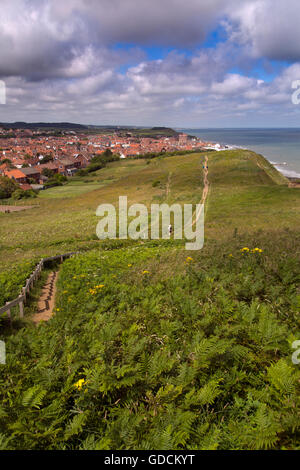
(63, 221)
(246, 194)
(248, 197)
(68, 190)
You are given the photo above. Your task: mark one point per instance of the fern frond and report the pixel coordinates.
(33, 397)
(76, 425)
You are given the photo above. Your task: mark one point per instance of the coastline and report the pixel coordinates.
(283, 168)
(280, 147)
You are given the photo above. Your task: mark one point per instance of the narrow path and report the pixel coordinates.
(206, 182)
(8, 209)
(205, 189)
(204, 194)
(47, 299)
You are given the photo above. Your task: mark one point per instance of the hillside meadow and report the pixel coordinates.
(64, 218)
(151, 346)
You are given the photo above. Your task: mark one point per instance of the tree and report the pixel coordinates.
(47, 172)
(7, 187)
(107, 154)
(8, 161)
(61, 178)
(21, 194)
(47, 159)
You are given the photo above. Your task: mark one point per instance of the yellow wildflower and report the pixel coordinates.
(245, 249)
(79, 384)
(146, 272)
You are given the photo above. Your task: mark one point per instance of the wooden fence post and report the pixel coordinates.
(21, 299)
(9, 315)
(21, 306)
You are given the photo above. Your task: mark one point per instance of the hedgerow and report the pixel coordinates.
(153, 349)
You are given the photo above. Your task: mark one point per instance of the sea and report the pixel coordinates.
(280, 146)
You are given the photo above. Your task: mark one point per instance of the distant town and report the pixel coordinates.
(30, 157)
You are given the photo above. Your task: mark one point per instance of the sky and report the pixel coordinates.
(192, 63)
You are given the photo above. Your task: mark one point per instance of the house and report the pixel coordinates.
(71, 171)
(23, 175)
(16, 175)
(53, 166)
(83, 159)
(65, 164)
(31, 174)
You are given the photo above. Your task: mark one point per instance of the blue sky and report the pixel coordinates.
(217, 63)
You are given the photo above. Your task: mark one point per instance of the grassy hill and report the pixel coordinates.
(153, 347)
(65, 219)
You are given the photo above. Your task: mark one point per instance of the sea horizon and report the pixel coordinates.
(279, 145)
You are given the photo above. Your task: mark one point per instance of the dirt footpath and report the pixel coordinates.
(15, 208)
(47, 300)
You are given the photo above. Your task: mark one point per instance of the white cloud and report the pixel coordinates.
(233, 84)
(59, 63)
(169, 22)
(268, 28)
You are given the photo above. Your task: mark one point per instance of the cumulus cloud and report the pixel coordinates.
(269, 28)
(85, 60)
(167, 22)
(37, 44)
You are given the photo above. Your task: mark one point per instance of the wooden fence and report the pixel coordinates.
(21, 299)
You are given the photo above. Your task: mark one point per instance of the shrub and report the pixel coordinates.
(60, 178)
(47, 172)
(82, 172)
(98, 162)
(21, 194)
(51, 183)
(7, 187)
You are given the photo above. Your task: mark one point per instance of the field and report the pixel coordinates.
(64, 218)
(151, 346)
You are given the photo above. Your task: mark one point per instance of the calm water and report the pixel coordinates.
(280, 146)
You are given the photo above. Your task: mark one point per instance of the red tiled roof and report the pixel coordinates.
(25, 187)
(15, 174)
